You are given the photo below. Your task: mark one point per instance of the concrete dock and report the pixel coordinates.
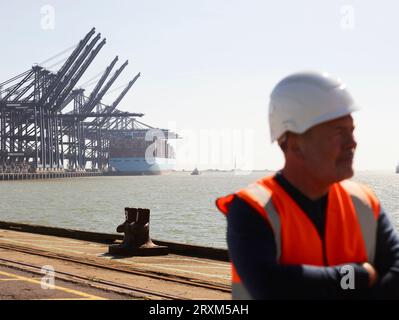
(82, 268)
(46, 175)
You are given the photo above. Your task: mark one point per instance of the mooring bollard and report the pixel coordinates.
(137, 241)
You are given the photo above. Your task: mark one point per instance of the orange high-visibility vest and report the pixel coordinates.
(350, 231)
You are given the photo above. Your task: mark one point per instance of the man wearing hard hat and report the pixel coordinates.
(307, 231)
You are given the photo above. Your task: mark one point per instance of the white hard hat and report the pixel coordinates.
(303, 100)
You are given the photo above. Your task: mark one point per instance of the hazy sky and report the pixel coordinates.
(208, 66)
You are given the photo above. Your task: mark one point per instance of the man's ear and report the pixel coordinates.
(294, 145)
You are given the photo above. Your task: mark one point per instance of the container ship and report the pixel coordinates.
(137, 156)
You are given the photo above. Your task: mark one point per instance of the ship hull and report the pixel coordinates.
(140, 166)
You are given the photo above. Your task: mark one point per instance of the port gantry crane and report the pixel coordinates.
(35, 130)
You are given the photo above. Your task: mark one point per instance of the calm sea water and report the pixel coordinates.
(182, 206)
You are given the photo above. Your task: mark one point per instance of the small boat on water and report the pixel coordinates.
(195, 172)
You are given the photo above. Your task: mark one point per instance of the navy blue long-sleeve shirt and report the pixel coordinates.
(253, 252)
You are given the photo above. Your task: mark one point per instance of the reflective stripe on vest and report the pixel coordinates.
(264, 198)
(365, 215)
(239, 292)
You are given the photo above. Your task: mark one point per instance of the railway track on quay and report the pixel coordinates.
(161, 292)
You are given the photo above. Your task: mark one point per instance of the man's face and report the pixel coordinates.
(328, 149)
